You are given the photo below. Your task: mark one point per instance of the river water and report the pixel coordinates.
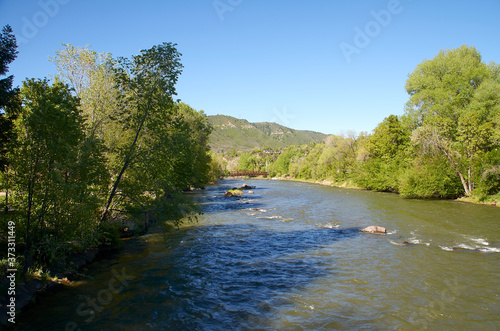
(291, 257)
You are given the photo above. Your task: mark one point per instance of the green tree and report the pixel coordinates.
(282, 164)
(57, 176)
(178, 156)
(385, 156)
(232, 153)
(217, 167)
(148, 85)
(196, 131)
(154, 146)
(452, 108)
(247, 162)
(429, 176)
(8, 53)
(339, 155)
(91, 75)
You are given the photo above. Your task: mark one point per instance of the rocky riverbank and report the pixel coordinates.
(27, 290)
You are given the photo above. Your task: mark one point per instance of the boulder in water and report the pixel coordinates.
(233, 193)
(246, 187)
(374, 229)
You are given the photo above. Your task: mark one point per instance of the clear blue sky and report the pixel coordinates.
(303, 64)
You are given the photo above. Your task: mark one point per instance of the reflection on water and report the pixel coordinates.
(290, 256)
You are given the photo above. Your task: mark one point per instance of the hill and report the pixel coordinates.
(230, 132)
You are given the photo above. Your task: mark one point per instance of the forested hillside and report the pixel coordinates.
(232, 133)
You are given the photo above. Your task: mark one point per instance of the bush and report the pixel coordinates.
(109, 235)
(430, 180)
(379, 175)
(489, 184)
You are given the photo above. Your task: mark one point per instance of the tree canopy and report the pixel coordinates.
(103, 147)
(453, 106)
(8, 53)
(445, 145)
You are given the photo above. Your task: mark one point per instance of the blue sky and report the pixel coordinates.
(328, 66)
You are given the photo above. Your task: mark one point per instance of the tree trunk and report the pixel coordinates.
(113, 191)
(468, 191)
(128, 159)
(28, 239)
(6, 209)
(7, 191)
(465, 183)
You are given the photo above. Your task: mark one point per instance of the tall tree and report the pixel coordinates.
(448, 107)
(8, 53)
(154, 146)
(384, 159)
(148, 85)
(56, 174)
(91, 76)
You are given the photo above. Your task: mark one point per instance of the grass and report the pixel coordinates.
(493, 200)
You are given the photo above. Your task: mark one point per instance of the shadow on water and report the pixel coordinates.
(216, 277)
(236, 276)
(279, 267)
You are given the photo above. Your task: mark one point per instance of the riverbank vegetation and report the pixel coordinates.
(105, 148)
(445, 145)
(101, 149)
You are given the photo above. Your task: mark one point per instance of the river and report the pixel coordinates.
(291, 256)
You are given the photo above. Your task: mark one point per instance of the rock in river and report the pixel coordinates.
(374, 229)
(246, 187)
(233, 193)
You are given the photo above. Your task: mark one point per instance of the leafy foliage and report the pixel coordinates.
(445, 145)
(108, 150)
(8, 53)
(56, 175)
(453, 102)
(429, 177)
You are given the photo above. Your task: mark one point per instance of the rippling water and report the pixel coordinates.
(291, 257)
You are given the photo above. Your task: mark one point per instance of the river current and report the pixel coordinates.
(291, 256)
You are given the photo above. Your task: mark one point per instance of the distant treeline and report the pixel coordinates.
(103, 144)
(445, 145)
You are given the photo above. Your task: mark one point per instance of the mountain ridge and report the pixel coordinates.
(231, 132)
